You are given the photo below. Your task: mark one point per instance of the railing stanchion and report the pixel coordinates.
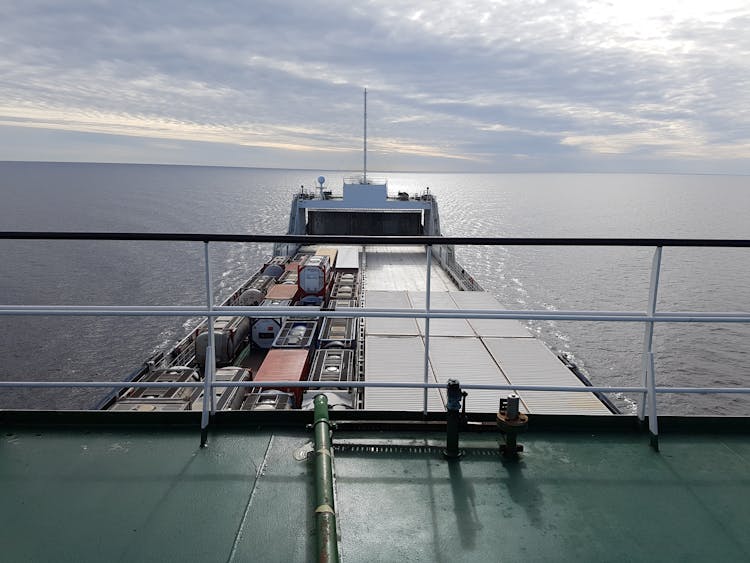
(206, 408)
(649, 379)
(653, 422)
(208, 378)
(428, 248)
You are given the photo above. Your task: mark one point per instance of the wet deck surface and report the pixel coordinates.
(125, 495)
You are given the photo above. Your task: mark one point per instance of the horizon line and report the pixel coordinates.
(351, 170)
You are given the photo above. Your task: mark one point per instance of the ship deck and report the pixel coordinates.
(83, 493)
(474, 351)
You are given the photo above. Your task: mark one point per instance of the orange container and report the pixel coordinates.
(330, 252)
(285, 365)
(283, 292)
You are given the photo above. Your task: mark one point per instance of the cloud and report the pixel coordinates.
(453, 84)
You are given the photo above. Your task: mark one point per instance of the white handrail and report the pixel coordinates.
(211, 311)
(381, 384)
(427, 294)
(649, 375)
(528, 314)
(210, 368)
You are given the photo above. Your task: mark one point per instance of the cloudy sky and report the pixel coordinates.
(467, 85)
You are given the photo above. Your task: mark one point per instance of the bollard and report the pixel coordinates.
(454, 418)
(511, 421)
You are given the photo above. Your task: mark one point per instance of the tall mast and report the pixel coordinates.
(365, 167)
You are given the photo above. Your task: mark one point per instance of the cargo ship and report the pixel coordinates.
(361, 398)
(281, 333)
(281, 344)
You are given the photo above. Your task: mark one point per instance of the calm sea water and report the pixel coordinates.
(94, 197)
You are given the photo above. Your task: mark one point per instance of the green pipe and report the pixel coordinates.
(325, 515)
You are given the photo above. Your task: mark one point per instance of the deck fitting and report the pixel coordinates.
(456, 417)
(511, 421)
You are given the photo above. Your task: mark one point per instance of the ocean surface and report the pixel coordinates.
(149, 198)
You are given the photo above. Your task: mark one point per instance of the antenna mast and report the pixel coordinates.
(365, 167)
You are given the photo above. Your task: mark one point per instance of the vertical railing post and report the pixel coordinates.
(427, 326)
(653, 426)
(208, 390)
(649, 378)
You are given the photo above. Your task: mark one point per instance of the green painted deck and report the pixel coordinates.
(154, 495)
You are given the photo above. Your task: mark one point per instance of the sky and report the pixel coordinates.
(466, 85)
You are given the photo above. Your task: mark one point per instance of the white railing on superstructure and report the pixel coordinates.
(649, 389)
(365, 181)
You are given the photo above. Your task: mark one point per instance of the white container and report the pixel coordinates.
(264, 332)
(315, 275)
(229, 334)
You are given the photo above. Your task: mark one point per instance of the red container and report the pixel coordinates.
(283, 292)
(294, 265)
(285, 364)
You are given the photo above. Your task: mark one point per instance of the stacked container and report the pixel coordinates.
(282, 292)
(254, 292)
(266, 329)
(229, 335)
(296, 333)
(330, 252)
(275, 266)
(147, 399)
(345, 286)
(315, 276)
(290, 364)
(225, 398)
(338, 332)
(270, 400)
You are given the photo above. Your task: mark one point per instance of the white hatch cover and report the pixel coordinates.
(397, 359)
(527, 361)
(389, 326)
(440, 327)
(481, 300)
(468, 361)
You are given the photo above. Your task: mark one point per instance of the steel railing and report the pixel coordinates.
(648, 390)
